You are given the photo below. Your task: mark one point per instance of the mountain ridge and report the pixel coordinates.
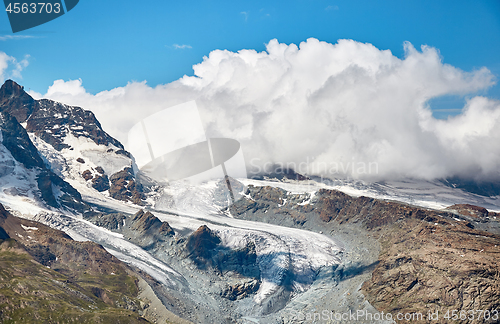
(73, 140)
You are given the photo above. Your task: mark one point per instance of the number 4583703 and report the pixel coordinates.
(33, 8)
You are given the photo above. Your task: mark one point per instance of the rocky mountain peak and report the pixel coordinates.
(50, 120)
(53, 190)
(69, 132)
(145, 222)
(15, 101)
(202, 242)
(53, 121)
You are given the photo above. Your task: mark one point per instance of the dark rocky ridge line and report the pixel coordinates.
(46, 118)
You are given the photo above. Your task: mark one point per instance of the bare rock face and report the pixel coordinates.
(124, 187)
(470, 210)
(16, 102)
(240, 261)
(100, 183)
(201, 243)
(147, 223)
(241, 290)
(17, 141)
(112, 221)
(435, 267)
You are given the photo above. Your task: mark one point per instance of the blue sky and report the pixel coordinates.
(109, 43)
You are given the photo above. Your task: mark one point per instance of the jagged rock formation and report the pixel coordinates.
(112, 222)
(146, 223)
(478, 213)
(15, 101)
(101, 183)
(241, 290)
(201, 244)
(46, 277)
(124, 187)
(46, 118)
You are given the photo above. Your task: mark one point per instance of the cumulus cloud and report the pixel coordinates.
(322, 107)
(10, 67)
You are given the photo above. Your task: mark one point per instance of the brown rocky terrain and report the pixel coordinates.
(201, 243)
(478, 213)
(241, 290)
(429, 260)
(147, 223)
(124, 187)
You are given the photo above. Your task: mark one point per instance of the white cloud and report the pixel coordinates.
(10, 67)
(9, 37)
(184, 46)
(329, 103)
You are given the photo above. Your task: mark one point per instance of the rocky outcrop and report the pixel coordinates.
(204, 247)
(113, 222)
(241, 290)
(146, 223)
(87, 175)
(240, 261)
(124, 187)
(16, 102)
(476, 212)
(100, 183)
(201, 243)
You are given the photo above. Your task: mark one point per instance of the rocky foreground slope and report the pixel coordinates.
(46, 277)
